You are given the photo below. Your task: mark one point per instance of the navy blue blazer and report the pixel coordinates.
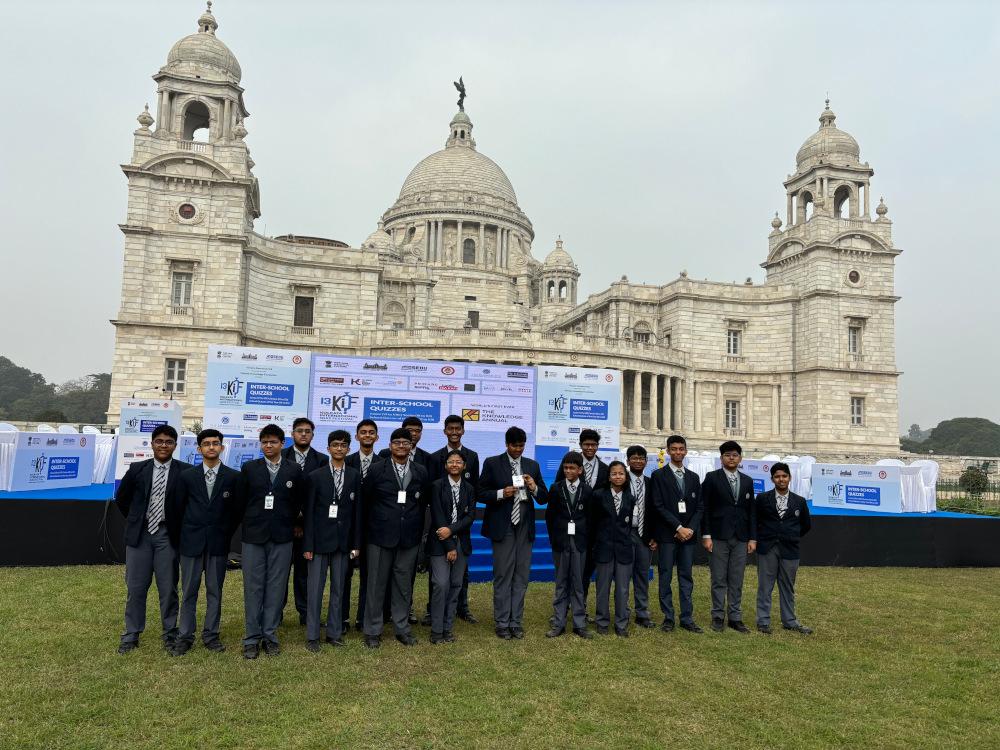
(132, 498)
(602, 475)
(441, 507)
(497, 475)
(471, 474)
(650, 518)
(611, 532)
(559, 512)
(277, 525)
(784, 532)
(322, 534)
(726, 518)
(314, 459)
(206, 522)
(666, 500)
(354, 461)
(387, 522)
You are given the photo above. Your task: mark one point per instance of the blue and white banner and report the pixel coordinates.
(247, 388)
(139, 417)
(570, 400)
(490, 398)
(866, 488)
(51, 460)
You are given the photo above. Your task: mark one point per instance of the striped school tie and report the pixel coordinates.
(156, 499)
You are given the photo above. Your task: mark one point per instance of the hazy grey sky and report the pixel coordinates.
(656, 133)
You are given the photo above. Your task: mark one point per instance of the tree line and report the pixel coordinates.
(25, 396)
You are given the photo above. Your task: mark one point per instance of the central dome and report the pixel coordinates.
(829, 144)
(458, 169)
(192, 54)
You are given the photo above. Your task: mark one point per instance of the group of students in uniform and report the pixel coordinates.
(321, 517)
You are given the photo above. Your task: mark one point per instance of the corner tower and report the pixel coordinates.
(192, 201)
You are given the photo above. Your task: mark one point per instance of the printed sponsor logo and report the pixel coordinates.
(375, 366)
(361, 381)
(328, 363)
(275, 358)
(846, 473)
(524, 390)
(232, 387)
(225, 420)
(249, 356)
(471, 415)
(589, 376)
(69, 441)
(574, 430)
(835, 494)
(469, 387)
(882, 474)
(341, 403)
(515, 374)
(447, 387)
(249, 417)
(297, 360)
(447, 370)
(83, 442)
(765, 468)
(265, 417)
(52, 441)
(826, 472)
(129, 455)
(336, 381)
(609, 377)
(554, 433)
(413, 368)
(571, 376)
(558, 403)
(486, 371)
(37, 466)
(864, 474)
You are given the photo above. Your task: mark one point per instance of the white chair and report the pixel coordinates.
(89, 430)
(6, 427)
(45, 428)
(188, 434)
(928, 477)
(67, 429)
(771, 457)
(790, 459)
(693, 453)
(889, 462)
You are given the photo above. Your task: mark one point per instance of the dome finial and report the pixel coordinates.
(776, 221)
(207, 23)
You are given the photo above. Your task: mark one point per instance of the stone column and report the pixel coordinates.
(720, 410)
(654, 402)
(697, 406)
(775, 409)
(459, 250)
(789, 222)
(749, 418)
(439, 238)
(481, 249)
(637, 401)
(668, 403)
(867, 191)
(227, 113)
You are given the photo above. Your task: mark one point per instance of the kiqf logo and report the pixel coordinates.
(131, 422)
(338, 403)
(835, 490)
(37, 465)
(232, 387)
(558, 403)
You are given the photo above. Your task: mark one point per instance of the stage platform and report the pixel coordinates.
(67, 527)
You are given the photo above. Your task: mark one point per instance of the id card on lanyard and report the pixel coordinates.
(269, 497)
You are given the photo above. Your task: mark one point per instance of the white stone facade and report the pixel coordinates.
(801, 363)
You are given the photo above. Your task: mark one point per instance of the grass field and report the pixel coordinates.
(900, 658)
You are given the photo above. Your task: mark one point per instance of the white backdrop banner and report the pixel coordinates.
(139, 417)
(875, 489)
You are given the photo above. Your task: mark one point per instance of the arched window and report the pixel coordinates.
(842, 202)
(463, 134)
(562, 290)
(394, 315)
(551, 293)
(469, 252)
(196, 121)
(804, 207)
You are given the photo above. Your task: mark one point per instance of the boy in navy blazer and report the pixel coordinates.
(782, 519)
(145, 497)
(728, 530)
(361, 460)
(331, 537)
(506, 486)
(205, 510)
(566, 520)
(644, 537)
(269, 498)
(680, 508)
(453, 509)
(610, 525)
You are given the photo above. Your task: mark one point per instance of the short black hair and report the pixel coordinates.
(729, 446)
(400, 433)
(342, 435)
(453, 419)
(303, 420)
(615, 463)
(572, 458)
(781, 466)
(675, 439)
(515, 435)
(455, 453)
(635, 450)
(210, 433)
(589, 434)
(366, 423)
(412, 422)
(272, 430)
(163, 429)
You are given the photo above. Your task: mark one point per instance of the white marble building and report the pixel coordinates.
(801, 363)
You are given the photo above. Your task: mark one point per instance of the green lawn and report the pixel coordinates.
(900, 658)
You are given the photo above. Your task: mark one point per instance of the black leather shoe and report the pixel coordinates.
(449, 637)
(469, 618)
(180, 649)
(517, 632)
(271, 648)
(169, 643)
(621, 632)
(667, 626)
(645, 622)
(313, 647)
(765, 629)
(718, 624)
(798, 629)
(583, 633)
(302, 618)
(556, 632)
(215, 645)
(602, 629)
(359, 626)
(739, 627)
(504, 634)
(437, 638)
(338, 642)
(250, 651)
(426, 620)
(591, 620)
(407, 639)
(128, 646)
(373, 641)
(692, 628)
(412, 618)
